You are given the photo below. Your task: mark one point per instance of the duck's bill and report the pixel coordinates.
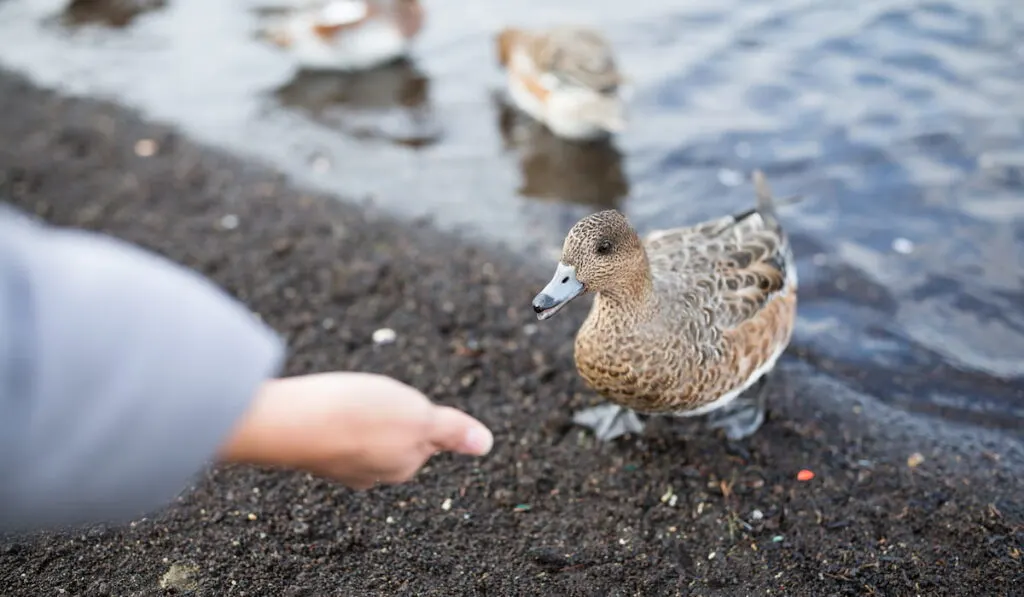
(559, 292)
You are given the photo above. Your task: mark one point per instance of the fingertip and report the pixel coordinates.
(456, 431)
(479, 440)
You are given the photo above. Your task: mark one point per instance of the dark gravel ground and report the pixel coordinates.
(548, 512)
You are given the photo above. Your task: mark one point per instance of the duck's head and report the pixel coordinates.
(600, 254)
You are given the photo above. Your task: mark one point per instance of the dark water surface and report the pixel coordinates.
(901, 123)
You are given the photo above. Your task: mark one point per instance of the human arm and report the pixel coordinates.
(120, 375)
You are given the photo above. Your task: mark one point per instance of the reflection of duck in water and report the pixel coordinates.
(349, 35)
(587, 173)
(391, 102)
(566, 78)
(115, 13)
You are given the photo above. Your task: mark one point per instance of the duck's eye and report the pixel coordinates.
(604, 247)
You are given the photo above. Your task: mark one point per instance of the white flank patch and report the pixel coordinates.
(344, 12)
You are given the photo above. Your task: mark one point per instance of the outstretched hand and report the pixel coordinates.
(358, 428)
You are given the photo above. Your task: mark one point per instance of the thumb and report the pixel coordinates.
(452, 430)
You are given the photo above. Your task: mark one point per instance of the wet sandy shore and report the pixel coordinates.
(548, 512)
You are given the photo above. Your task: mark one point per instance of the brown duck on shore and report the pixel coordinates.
(685, 321)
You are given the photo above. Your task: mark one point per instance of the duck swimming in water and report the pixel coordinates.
(349, 35)
(566, 78)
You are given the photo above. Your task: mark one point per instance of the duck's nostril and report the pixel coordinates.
(565, 279)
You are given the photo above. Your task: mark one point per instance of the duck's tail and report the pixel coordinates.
(765, 201)
(766, 204)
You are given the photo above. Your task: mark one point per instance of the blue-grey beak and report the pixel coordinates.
(562, 288)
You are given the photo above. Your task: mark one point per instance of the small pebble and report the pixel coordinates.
(756, 515)
(180, 578)
(447, 505)
(252, 516)
(903, 246)
(384, 336)
(712, 555)
(321, 164)
(805, 475)
(915, 460)
(777, 539)
(229, 222)
(390, 520)
(145, 148)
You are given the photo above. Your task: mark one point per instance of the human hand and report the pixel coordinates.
(357, 428)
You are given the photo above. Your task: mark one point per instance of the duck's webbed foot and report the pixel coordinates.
(609, 421)
(744, 415)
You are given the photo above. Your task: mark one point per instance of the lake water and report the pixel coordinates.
(900, 123)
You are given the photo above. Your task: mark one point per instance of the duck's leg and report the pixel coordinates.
(609, 421)
(744, 415)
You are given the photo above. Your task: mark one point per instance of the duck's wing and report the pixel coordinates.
(731, 268)
(576, 56)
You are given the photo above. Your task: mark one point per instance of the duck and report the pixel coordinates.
(685, 322)
(349, 35)
(565, 77)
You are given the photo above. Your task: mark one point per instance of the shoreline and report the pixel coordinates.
(326, 274)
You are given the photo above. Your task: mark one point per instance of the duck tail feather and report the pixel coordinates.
(765, 201)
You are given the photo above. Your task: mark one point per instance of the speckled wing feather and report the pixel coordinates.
(730, 267)
(577, 56)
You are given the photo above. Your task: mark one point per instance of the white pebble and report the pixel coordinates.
(903, 245)
(756, 515)
(672, 500)
(384, 336)
(229, 222)
(145, 148)
(447, 505)
(321, 164)
(712, 555)
(390, 520)
(530, 329)
(730, 178)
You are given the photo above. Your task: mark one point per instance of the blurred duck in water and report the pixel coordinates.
(565, 77)
(349, 35)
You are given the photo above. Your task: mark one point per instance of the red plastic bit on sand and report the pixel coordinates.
(805, 475)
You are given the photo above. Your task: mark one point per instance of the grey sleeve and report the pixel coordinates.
(121, 373)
